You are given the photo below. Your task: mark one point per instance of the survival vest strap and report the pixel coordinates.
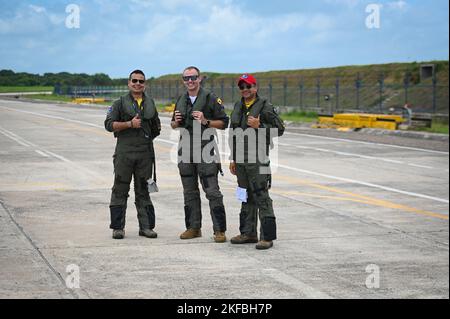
(208, 99)
(155, 123)
(273, 118)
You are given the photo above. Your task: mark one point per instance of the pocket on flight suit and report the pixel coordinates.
(188, 175)
(207, 172)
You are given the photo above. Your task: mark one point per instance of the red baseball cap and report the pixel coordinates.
(247, 78)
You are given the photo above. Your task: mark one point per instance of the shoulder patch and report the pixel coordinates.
(219, 100)
(109, 110)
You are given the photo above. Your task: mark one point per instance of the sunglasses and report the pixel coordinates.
(243, 87)
(136, 81)
(190, 78)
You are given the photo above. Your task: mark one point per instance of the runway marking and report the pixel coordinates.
(353, 197)
(367, 143)
(421, 166)
(42, 153)
(355, 155)
(14, 138)
(352, 181)
(293, 282)
(389, 189)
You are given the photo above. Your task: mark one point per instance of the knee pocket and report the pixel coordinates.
(208, 177)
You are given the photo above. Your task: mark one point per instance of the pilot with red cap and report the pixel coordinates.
(254, 179)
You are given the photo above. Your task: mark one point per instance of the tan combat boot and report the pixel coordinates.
(244, 239)
(219, 237)
(263, 244)
(191, 233)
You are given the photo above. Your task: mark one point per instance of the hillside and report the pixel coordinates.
(393, 73)
(333, 89)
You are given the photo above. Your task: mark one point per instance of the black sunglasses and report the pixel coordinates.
(190, 77)
(136, 81)
(243, 87)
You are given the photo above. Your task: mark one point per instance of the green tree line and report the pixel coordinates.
(10, 78)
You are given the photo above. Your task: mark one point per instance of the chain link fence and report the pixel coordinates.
(322, 95)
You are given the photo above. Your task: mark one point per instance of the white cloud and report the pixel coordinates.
(397, 5)
(347, 3)
(37, 9)
(229, 25)
(30, 20)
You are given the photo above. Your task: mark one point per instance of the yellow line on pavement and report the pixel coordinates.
(360, 198)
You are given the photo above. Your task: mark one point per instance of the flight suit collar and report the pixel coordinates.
(252, 110)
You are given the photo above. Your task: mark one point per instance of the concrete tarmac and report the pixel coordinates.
(356, 219)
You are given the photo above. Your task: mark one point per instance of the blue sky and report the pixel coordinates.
(161, 37)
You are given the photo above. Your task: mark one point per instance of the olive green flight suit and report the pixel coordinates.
(248, 171)
(194, 167)
(134, 158)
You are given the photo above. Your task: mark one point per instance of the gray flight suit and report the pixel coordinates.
(248, 171)
(134, 158)
(195, 167)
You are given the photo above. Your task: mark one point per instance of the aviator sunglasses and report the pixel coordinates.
(243, 87)
(191, 78)
(136, 81)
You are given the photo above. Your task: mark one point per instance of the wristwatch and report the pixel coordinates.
(207, 123)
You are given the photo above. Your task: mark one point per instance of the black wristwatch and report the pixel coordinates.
(207, 123)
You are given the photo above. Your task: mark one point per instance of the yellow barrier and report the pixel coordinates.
(88, 100)
(381, 121)
(170, 108)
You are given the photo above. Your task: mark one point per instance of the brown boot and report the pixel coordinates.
(219, 237)
(263, 244)
(191, 234)
(244, 239)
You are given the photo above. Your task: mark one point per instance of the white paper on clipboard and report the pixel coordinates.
(241, 195)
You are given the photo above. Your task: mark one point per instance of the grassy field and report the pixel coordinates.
(436, 127)
(53, 97)
(20, 89)
(300, 117)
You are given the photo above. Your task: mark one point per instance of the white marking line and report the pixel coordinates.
(53, 117)
(42, 153)
(282, 166)
(292, 282)
(352, 181)
(47, 154)
(422, 166)
(14, 138)
(366, 143)
(75, 165)
(353, 155)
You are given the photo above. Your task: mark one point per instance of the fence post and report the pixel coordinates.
(434, 94)
(212, 85)
(285, 86)
(270, 91)
(337, 93)
(406, 82)
(222, 89)
(170, 90)
(232, 91)
(163, 89)
(301, 85)
(381, 90)
(358, 87)
(318, 92)
(178, 89)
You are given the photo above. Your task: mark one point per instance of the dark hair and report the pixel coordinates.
(136, 72)
(192, 68)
